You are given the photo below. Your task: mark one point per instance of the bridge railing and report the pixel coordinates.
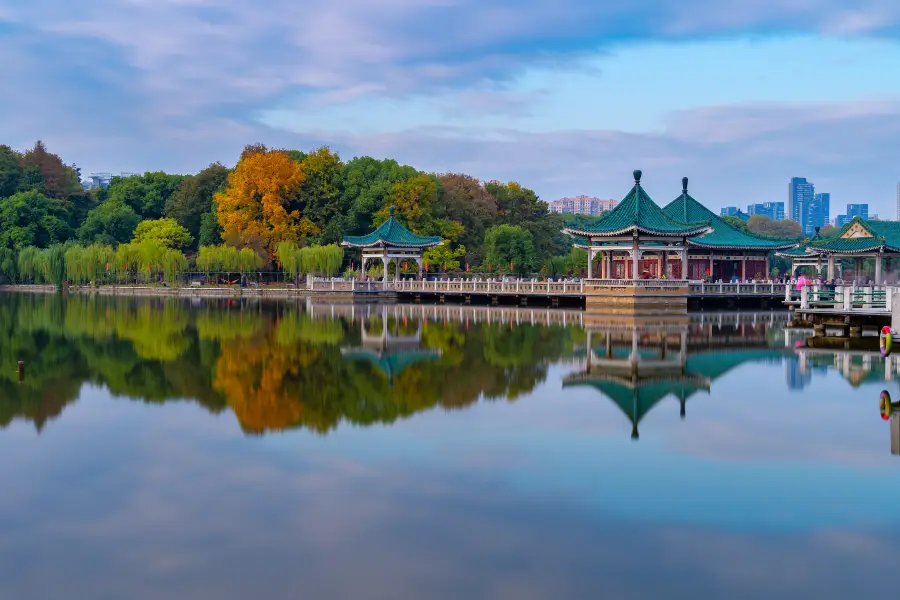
(847, 298)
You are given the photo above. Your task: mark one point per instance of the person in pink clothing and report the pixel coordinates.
(802, 281)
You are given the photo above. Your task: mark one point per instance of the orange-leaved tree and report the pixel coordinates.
(255, 208)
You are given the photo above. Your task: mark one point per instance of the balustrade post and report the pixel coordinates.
(804, 297)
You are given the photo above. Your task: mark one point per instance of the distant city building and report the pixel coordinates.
(102, 180)
(800, 194)
(582, 205)
(734, 211)
(818, 213)
(853, 210)
(773, 210)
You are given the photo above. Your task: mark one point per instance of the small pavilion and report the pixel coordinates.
(800, 257)
(391, 242)
(637, 237)
(725, 251)
(860, 239)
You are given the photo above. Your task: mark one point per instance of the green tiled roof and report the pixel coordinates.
(885, 235)
(636, 212)
(796, 252)
(723, 235)
(392, 233)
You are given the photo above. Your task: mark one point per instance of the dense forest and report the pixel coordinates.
(260, 215)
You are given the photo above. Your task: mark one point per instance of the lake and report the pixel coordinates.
(178, 448)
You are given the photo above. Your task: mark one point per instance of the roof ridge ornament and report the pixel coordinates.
(391, 210)
(684, 194)
(637, 194)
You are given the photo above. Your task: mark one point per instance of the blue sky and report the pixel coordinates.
(565, 96)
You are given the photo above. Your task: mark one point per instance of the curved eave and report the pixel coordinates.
(632, 228)
(384, 243)
(877, 248)
(701, 244)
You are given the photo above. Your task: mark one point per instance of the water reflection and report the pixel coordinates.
(749, 492)
(286, 365)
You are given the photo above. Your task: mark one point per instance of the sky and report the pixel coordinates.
(565, 96)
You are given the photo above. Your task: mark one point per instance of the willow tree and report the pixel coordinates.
(326, 260)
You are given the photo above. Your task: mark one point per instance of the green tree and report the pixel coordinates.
(829, 231)
(367, 186)
(763, 225)
(210, 229)
(146, 194)
(10, 171)
(465, 200)
(517, 205)
(32, 219)
(113, 222)
(320, 192)
(507, 245)
(736, 222)
(165, 232)
(194, 197)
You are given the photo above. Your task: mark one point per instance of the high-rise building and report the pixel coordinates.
(582, 205)
(773, 210)
(853, 210)
(818, 213)
(800, 194)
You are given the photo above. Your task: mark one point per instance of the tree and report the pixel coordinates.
(412, 200)
(736, 222)
(253, 208)
(829, 231)
(320, 192)
(32, 219)
(763, 225)
(443, 257)
(10, 171)
(165, 232)
(509, 248)
(517, 205)
(210, 231)
(465, 200)
(113, 222)
(58, 179)
(194, 197)
(146, 194)
(367, 185)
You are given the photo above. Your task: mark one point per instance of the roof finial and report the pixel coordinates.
(392, 210)
(684, 185)
(637, 177)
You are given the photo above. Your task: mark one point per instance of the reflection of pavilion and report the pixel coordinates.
(390, 350)
(638, 367)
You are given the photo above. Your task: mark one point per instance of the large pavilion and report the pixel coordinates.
(637, 237)
(726, 251)
(392, 242)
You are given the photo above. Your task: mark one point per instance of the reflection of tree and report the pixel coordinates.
(275, 367)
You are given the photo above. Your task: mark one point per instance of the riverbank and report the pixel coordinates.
(205, 291)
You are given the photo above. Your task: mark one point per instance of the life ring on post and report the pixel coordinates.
(884, 341)
(884, 404)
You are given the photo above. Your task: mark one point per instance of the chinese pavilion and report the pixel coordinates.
(392, 242)
(725, 251)
(860, 239)
(637, 239)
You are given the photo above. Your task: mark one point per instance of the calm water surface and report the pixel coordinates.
(164, 448)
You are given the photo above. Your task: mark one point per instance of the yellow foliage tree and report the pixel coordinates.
(254, 210)
(412, 200)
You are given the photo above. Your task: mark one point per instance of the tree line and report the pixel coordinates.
(271, 201)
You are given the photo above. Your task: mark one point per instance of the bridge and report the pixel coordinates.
(553, 293)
